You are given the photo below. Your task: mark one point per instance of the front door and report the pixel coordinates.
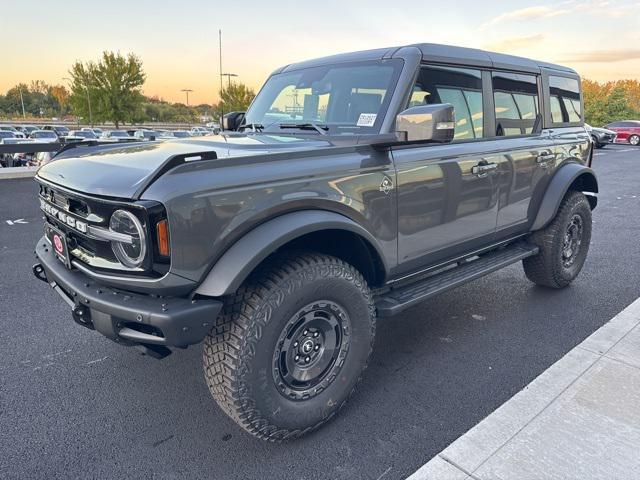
(447, 194)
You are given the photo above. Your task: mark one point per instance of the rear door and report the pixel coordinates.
(526, 155)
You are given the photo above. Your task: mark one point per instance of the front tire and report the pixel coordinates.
(290, 347)
(563, 244)
(634, 140)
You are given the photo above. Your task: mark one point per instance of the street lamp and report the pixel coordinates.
(22, 102)
(229, 75)
(187, 90)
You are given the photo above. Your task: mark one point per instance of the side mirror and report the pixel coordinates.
(427, 123)
(232, 120)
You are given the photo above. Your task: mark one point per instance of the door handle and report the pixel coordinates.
(483, 169)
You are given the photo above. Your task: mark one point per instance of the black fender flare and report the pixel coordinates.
(584, 178)
(235, 265)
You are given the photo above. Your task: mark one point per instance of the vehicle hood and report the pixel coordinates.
(121, 170)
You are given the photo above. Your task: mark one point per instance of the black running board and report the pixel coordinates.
(400, 298)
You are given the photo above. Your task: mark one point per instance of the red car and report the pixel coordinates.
(628, 131)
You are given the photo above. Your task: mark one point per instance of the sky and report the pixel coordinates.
(178, 40)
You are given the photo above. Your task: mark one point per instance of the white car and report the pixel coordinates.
(116, 135)
(200, 131)
(9, 128)
(44, 136)
(96, 131)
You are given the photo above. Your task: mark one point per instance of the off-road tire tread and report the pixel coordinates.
(543, 268)
(231, 343)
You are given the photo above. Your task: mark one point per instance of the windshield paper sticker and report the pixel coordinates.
(367, 119)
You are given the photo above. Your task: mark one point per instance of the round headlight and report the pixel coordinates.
(132, 249)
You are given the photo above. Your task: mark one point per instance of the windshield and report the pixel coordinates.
(344, 98)
(118, 133)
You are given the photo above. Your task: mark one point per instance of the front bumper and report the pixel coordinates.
(126, 317)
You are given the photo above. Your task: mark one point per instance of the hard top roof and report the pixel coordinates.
(437, 53)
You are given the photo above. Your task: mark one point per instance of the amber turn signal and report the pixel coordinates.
(162, 229)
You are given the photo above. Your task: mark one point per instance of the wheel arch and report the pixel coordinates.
(319, 230)
(570, 176)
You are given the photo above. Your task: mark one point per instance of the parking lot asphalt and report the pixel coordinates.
(75, 405)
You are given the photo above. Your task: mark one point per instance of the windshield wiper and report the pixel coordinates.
(255, 127)
(322, 129)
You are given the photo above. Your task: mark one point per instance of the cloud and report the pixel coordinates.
(516, 43)
(529, 13)
(604, 56)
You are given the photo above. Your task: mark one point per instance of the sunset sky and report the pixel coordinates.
(178, 40)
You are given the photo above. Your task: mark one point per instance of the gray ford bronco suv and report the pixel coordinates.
(353, 188)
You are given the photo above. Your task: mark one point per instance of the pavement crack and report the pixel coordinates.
(160, 442)
(455, 465)
(384, 473)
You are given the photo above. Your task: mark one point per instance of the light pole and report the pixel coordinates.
(221, 87)
(187, 90)
(22, 102)
(229, 75)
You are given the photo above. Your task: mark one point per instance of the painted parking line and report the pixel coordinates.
(561, 424)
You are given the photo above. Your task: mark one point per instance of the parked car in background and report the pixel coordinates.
(181, 134)
(96, 131)
(44, 136)
(8, 128)
(18, 159)
(600, 136)
(60, 130)
(114, 134)
(627, 131)
(83, 134)
(144, 134)
(199, 131)
(26, 129)
(214, 127)
(5, 135)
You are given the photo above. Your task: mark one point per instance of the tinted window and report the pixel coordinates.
(565, 92)
(516, 103)
(460, 87)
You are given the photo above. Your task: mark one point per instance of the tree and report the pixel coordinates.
(108, 90)
(611, 101)
(236, 98)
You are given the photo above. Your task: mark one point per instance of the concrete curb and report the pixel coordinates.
(17, 172)
(467, 457)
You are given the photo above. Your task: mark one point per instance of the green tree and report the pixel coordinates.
(611, 101)
(108, 90)
(235, 98)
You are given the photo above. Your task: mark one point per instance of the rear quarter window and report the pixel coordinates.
(564, 99)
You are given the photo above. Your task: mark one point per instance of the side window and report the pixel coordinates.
(566, 92)
(556, 109)
(516, 103)
(462, 88)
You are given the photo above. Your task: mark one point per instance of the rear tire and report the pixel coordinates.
(563, 244)
(290, 347)
(634, 140)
